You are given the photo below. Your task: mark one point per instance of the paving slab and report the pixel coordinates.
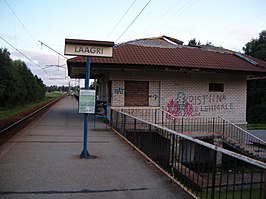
(43, 161)
(259, 133)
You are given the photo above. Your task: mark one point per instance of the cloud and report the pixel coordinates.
(45, 66)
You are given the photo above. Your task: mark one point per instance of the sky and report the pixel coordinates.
(24, 24)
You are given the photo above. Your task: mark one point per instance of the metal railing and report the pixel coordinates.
(204, 126)
(205, 170)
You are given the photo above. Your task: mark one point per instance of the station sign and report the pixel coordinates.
(90, 48)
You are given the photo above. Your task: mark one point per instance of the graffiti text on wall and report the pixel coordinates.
(119, 90)
(180, 106)
(194, 105)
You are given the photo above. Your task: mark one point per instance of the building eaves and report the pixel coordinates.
(161, 53)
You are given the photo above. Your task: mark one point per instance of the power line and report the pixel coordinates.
(181, 11)
(177, 13)
(162, 16)
(53, 49)
(23, 55)
(133, 20)
(121, 19)
(21, 23)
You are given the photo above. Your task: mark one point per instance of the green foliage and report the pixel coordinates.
(257, 47)
(256, 103)
(18, 85)
(54, 88)
(256, 98)
(9, 112)
(193, 42)
(257, 126)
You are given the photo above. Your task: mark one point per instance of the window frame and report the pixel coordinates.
(216, 87)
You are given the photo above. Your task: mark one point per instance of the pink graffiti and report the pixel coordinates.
(180, 107)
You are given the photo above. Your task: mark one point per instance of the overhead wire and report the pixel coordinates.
(120, 19)
(52, 49)
(31, 36)
(133, 20)
(180, 11)
(162, 16)
(21, 23)
(24, 55)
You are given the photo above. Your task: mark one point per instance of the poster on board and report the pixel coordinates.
(101, 108)
(86, 101)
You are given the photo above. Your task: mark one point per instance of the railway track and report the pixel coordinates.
(12, 129)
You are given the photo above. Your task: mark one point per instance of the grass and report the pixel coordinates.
(5, 113)
(245, 194)
(256, 126)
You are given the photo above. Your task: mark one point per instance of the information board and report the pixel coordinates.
(101, 108)
(86, 101)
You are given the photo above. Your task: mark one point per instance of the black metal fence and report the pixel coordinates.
(213, 125)
(205, 170)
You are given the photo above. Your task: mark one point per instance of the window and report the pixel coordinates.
(216, 87)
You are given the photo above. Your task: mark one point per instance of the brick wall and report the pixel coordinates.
(190, 91)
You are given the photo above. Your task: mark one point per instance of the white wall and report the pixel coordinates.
(192, 89)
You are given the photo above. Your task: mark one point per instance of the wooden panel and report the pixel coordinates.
(136, 93)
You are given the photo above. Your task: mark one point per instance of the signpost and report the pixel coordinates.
(87, 48)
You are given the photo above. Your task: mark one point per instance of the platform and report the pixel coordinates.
(43, 161)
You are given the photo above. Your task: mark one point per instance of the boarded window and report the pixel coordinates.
(216, 87)
(136, 93)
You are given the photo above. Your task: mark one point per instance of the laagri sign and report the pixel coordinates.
(88, 48)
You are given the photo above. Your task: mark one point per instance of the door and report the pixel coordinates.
(136, 93)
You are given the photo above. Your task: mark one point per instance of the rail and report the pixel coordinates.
(204, 170)
(203, 126)
(14, 124)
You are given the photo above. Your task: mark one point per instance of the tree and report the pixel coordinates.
(193, 42)
(257, 47)
(256, 98)
(18, 85)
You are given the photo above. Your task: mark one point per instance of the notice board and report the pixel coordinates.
(86, 101)
(101, 108)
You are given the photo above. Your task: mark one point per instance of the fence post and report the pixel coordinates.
(182, 125)
(174, 124)
(124, 125)
(223, 127)
(116, 122)
(111, 118)
(213, 127)
(173, 153)
(135, 133)
(213, 175)
(149, 150)
(264, 190)
(162, 117)
(155, 115)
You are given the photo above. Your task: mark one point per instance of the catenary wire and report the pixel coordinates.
(133, 20)
(31, 36)
(161, 16)
(24, 55)
(120, 19)
(180, 11)
(21, 23)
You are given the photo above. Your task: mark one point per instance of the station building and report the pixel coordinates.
(184, 80)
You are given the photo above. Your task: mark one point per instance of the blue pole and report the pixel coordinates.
(85, 153)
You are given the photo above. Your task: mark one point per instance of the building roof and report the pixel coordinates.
(168, 52)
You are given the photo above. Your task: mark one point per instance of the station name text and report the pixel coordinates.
(88, 50)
